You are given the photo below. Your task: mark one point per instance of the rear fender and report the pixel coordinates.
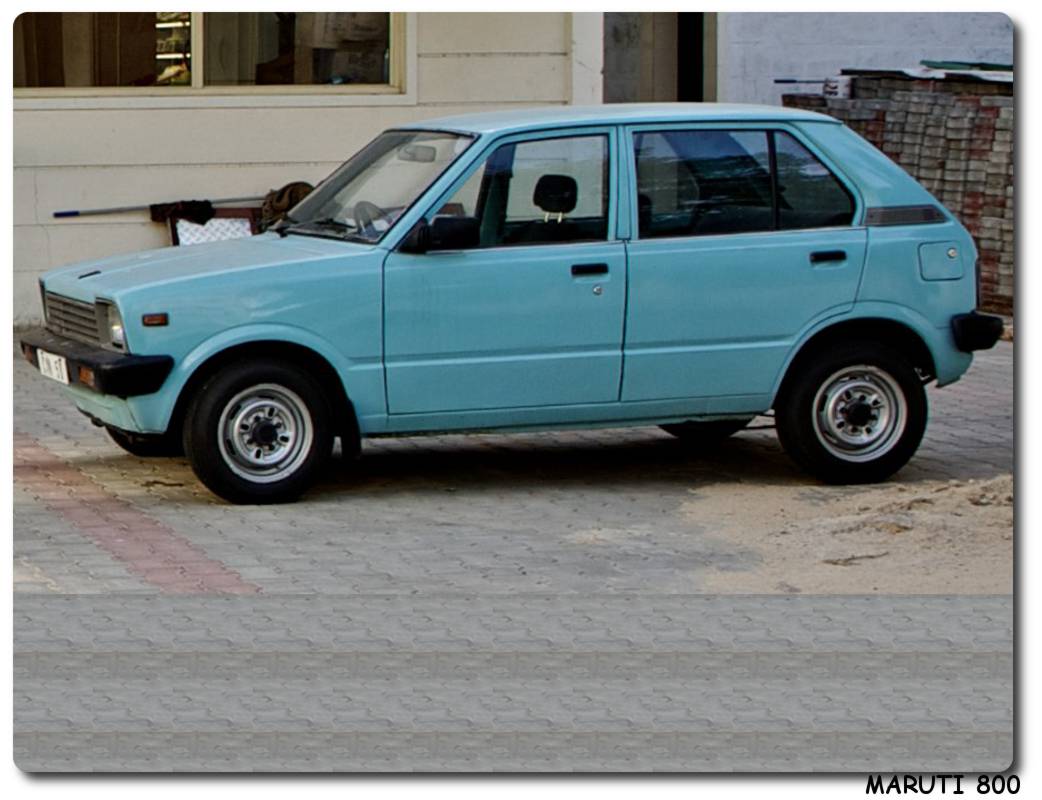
(948, 361)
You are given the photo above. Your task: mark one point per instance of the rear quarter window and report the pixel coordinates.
(809, 195)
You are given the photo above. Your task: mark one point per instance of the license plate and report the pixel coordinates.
(52, 366)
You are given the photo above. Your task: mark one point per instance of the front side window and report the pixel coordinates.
(545, 191)
(365, 196)
(698, 183)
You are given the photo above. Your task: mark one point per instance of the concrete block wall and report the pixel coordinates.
(956, 138)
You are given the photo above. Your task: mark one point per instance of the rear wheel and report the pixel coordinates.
(855, 413)
(706, 433)
(259, 432)
(147, 445)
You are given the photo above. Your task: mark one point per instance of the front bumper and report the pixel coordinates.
(975, 331)
(117, 374)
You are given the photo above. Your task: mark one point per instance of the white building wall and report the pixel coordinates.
(99, 151)
(754, 49)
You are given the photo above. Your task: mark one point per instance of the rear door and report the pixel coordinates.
(744, 237)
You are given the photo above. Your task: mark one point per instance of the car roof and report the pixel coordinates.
(540, 118)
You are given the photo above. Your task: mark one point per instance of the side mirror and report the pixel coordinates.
(455, 233)
(418, 240)
(443, 233)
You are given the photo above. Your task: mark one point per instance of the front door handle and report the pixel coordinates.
(581, 270)
(822, 256)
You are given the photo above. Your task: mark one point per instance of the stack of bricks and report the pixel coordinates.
(956, 137)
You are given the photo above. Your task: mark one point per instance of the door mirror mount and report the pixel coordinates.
(418, 240)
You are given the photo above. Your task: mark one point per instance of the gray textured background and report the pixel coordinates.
(480, 682)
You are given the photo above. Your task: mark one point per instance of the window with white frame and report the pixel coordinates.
(116, 50)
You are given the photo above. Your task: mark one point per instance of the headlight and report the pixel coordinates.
(114, 325)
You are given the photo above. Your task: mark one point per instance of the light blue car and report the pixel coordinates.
(687, 266)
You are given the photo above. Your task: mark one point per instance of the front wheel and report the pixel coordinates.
(853, 414)
(259, 432)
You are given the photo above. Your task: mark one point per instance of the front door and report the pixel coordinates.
(745, 238)
(523, 306)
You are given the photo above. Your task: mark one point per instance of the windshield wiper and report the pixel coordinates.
(284, 223)
(343, 229)
(349, 230)
(329, 222)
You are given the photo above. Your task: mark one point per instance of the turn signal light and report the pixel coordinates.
(155, 320)
(86, 376)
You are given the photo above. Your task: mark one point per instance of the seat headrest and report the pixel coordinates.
(556, 194)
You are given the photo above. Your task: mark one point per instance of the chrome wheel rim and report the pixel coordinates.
(266, 433)
(860, 413)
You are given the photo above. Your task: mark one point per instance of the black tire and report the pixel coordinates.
(854, 412)
(147, 445)
(259, 432)
(707, 433)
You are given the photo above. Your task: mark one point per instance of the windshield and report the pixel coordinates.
(365, 196)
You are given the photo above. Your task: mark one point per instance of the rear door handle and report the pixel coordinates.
(580, 270)
(821, 256)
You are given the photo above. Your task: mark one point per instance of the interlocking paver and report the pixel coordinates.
(484, 602)
(562, 511)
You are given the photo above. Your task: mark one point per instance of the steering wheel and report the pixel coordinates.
(366, 214)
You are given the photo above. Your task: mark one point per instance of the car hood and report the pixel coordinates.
(108, 277)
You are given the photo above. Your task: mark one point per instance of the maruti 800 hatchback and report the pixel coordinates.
(687, 266)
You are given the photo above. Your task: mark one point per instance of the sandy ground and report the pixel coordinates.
(953, 537)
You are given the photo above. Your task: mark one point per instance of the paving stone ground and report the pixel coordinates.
(439, 606)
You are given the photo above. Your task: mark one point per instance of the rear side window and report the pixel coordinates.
(704, 182)
(693, 183)
(809, 196)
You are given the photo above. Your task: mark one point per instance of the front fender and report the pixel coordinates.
(949, 362)
(362, 378)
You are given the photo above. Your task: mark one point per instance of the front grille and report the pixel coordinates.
(72, 318)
